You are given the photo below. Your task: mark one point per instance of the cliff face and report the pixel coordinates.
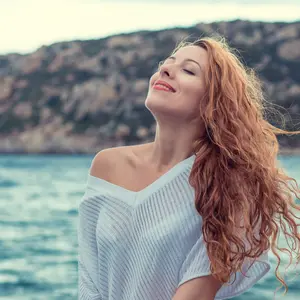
(83, 96)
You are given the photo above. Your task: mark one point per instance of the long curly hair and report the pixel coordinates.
(240, 188)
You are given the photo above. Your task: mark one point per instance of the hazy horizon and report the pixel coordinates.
(28, 25)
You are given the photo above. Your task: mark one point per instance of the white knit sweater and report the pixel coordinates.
(143, 245)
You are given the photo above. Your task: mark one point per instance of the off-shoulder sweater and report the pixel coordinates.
(143, 245)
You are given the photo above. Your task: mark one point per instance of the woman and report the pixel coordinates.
(191, 215)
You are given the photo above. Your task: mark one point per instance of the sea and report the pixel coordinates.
(39, 198)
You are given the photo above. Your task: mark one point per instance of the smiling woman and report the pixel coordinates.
(183, 71)
(193, 214)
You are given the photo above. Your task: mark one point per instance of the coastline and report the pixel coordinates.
(282, 151)
(289, 151)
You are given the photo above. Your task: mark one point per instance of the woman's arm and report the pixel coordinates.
(200, 288)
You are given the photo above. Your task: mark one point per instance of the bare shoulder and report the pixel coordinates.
(108, 161)
(103, 162)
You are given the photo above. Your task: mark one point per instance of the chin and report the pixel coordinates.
(156, 99)
(160, 108)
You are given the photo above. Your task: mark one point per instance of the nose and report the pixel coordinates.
(167, 70)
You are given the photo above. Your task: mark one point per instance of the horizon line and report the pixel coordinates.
(129, 32)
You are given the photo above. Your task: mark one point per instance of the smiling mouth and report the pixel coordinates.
(162, 87)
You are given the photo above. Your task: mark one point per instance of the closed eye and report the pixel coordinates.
(189, 72)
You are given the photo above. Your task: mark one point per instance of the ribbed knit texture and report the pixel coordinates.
(143, 245)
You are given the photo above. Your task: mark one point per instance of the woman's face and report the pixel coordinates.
(184, 72)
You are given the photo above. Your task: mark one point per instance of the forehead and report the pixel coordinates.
(196, 53)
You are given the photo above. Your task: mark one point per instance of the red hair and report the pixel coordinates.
(236, 175)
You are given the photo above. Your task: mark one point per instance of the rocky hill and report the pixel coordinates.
(82, 96)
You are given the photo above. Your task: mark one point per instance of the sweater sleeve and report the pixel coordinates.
(86, 288)
(196, 264)
(87, 248)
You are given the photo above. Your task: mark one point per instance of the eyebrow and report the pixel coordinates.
(187, 59)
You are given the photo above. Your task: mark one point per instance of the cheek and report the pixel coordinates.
(192, 94)
(193, 90)
(153, 78)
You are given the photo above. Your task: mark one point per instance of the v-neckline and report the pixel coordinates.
(99, 184)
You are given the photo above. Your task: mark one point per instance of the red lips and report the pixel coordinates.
(164, 83)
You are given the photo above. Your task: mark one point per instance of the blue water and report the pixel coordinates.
(38, 221)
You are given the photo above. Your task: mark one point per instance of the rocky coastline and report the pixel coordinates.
(80, 97)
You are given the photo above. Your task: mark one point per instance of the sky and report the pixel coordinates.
(26, 25)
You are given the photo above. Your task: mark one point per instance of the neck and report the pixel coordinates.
(170, 146)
